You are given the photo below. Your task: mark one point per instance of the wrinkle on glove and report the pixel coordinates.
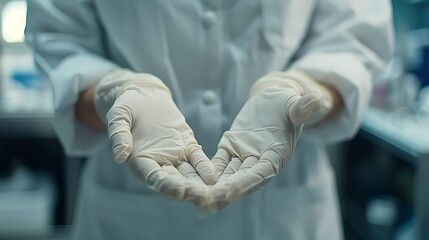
(147, 130)
(303, 84)
(263, 136)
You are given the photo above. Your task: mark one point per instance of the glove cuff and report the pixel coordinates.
(117, 82)
(303, 84)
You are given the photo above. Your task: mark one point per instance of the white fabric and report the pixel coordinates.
(147, 130)
(261, 215)
(209, 64)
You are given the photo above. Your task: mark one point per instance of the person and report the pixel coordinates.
(225, 105)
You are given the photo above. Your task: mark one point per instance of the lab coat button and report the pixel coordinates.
(209, 97)
(209, 18)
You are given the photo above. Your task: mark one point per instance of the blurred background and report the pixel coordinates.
(381, 172)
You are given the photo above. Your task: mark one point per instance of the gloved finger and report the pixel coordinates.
(171, 170)
(245, 182)
(192, 193)
(269, 165)
(197, 193)
(187, 171)
(218, 199)
(305, 108)
(231, 168)
(166, 181)
(181, 188)
(149, 171)
(248, 163)
(233, 188)
(236, 186)
(228, 187)
(221, 160)
(155, 177)
(204, 166)
(119, 119)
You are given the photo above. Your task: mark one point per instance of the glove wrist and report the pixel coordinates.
(117, 82)
(302, 84)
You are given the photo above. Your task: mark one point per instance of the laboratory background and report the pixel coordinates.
(383, 173)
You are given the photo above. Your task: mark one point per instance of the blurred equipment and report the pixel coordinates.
(417, 54)
(36, 192)
(382, 211)
(26, 203)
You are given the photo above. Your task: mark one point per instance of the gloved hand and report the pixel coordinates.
(263, 136)
(147, 130)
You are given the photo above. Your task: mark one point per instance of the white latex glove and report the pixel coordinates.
(263, 136)
(147, 130)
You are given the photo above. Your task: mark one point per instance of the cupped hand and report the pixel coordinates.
(147, 130)
(261, 140)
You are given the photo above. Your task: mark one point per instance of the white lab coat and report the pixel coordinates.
(209, 53)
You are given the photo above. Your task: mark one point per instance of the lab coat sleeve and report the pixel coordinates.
(67, 42)
(347, 45)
